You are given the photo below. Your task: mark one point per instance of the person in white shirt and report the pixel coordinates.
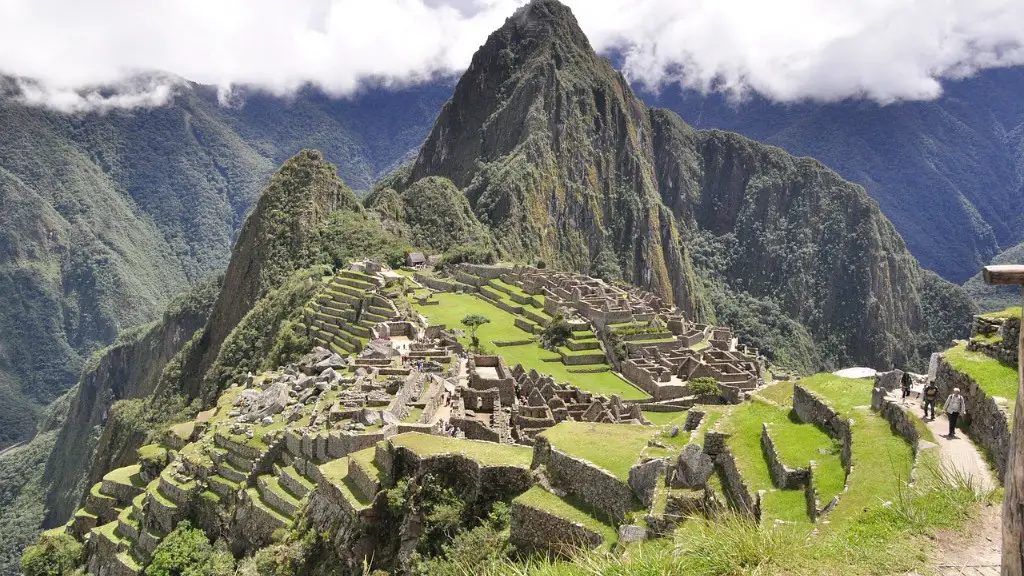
(955, 406)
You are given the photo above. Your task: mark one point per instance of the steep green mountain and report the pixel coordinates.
(949, 173)
(562, 162)
(107, 216)
(995, 298)
(554, 152)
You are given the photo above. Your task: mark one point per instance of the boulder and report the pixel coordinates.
(333, 362)
(271, 401)
(369, 417)
(693, 467)
(631, 533)
(389, 418)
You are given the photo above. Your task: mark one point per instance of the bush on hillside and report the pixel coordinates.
(54, 555)
(187, 552)
(557, 333)
(705, 386)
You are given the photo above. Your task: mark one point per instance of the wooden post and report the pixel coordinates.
(1013, 483)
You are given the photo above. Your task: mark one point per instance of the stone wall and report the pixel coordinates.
(535, 530)
(732, 480)
(899, 419)
(987, 422)
(811, 409)
(588, 482)
(475, 430)
(784, 477)
(435, 283)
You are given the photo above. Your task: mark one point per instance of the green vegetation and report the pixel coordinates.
(666, 418)
(557, 333)
(474, 322)
(705, 387)
(994, 377)
(614, 447)
(187, 552)
(453, 307)
(54, 555)
(881, 462)
(797, 444)
(1010, 312)
(484, 453)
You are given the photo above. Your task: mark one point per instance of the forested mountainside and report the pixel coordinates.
(995, 298)
(565, 164)
(106, 216)
(949, 173)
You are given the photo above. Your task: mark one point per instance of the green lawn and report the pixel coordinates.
(614, 447)
(781, 393)
(666, 418)
(128, 475)
(882, 461)
(454, 307)
(485, 453)
(994, 377)
(540, 499)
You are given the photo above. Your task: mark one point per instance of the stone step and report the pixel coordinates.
(125, 565)
(127, 527)
(100, 505)
(296, 485)
(277, 497)
(567, 524)
(123, 484)
(222, 486)
(276, 518)
(230, 472)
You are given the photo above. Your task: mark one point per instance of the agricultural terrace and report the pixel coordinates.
(452, 308)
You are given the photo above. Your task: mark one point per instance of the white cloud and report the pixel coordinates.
(786, 50)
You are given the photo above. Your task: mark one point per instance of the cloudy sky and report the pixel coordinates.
(786, 50)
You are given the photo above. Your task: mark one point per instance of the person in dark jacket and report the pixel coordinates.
(928, 397)
(905, 383)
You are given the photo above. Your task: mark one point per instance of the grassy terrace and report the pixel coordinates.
(540, 499)
(452, 308)
(614, 447)
(336, 472)
(797, 444)
(994, 377)
(484, 453)
(128, 475)
(1011, 312)
(666, 418)
(882, 461)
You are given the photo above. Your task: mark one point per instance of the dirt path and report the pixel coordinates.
(975, 550)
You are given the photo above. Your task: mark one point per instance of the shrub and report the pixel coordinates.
(187, 552)
(705, 386)
(556, 333)
(54, 555)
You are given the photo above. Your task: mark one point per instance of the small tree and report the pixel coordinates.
(705, 386)
(556, 333)
(473, 322)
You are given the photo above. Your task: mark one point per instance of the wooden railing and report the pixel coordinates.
(1013, 502)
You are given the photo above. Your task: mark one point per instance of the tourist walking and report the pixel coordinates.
(905, 383)
(955, 406)
(929, 396)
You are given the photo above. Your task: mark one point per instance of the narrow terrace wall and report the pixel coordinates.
(749, 503)
(811, 409)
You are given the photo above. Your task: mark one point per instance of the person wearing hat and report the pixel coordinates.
(955, 406)
(929, 396)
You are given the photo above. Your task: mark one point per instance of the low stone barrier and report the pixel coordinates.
(535, 530)
(784, 477)
(435, 283)
(899, 419)
(809, 408)
(588, 482)
(644, 478)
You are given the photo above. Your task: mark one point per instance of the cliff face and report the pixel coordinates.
(129, 369)
(815, 243)
(555, 154)
(563, 163)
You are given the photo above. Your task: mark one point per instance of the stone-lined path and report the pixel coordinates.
(975, 550)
